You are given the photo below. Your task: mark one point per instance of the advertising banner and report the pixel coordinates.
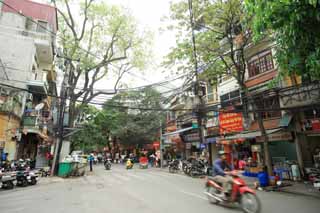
(230, 122)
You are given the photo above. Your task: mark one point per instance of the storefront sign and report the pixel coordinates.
(316, 124)
(278, 136)
(191, 137)
(230, 122)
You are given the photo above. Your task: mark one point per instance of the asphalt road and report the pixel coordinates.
(133, 191)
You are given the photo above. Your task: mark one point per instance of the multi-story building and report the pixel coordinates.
(27, 49)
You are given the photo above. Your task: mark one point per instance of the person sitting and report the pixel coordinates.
(220, 173)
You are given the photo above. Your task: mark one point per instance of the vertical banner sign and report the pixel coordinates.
(230, 122)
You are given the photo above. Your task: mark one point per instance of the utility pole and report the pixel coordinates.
(58, 147)
(197, 86)
(161, 146)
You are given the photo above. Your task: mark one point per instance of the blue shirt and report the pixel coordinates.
(91, 158)
(218, 167)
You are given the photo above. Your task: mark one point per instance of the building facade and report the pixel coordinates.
(27, 49)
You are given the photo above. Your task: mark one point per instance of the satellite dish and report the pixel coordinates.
(39, 106)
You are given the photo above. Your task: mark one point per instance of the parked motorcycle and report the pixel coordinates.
(143, 163)
(32, 178)
(7, 180)
(313, 175)
(186, 167)
(107, 164)
(241, 194)
(198, 168)
(174, 166)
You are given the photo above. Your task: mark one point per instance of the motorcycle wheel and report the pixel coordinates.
(171, 169)
(24, 183)
(33, 181)
(250, 203)
(9, 185)
(212, 190)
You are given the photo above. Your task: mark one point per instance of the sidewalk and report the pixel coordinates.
(299, 188)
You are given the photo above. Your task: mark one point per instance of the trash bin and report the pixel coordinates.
(65, 169)
(263, 179)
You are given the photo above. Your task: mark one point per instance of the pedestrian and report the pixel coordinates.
(91, 159)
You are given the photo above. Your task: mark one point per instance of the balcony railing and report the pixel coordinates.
(30, 121)
(34, 34)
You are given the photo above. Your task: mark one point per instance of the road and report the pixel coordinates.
(133, 191)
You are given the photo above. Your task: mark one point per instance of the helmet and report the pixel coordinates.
(221, 152)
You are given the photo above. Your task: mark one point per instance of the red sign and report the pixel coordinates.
(230, 122)
(316, 125)
(156, 144)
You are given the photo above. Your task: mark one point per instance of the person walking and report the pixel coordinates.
(91, 159)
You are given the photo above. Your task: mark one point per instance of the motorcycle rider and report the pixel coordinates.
(220, 174)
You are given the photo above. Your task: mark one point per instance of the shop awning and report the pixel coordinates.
(251, 134)
(178, 131)
(285, 120)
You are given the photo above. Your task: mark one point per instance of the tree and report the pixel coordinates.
(295, 27)
(223, 34)
(133, 117)
(97, 41)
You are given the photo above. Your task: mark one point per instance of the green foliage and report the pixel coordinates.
(295, 26)
(132, 126)
(217, 24)
(90, 138)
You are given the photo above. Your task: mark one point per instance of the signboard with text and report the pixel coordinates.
(230, 122)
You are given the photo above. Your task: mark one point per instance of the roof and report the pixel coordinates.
(34, 10)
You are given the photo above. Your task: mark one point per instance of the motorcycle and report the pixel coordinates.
(186, 167)
(240, 194)
(32, 178)
(129, 164)
(107, 164)
(174, 166)
(198, 168)
(7, 180)
(313, 175)
(143, 162)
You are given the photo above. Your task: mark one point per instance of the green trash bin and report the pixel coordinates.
(65, 169)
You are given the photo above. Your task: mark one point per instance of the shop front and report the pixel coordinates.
(312, 132)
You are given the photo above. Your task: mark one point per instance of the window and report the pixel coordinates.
(210, 92)
(232, 98)
(42, 26)
(266, 104)
(260, 64)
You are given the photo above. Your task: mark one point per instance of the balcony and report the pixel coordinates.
(302, 95)
(36, 121)
(38, 87)
(44, 42)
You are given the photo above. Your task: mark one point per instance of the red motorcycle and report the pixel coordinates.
(240, 194)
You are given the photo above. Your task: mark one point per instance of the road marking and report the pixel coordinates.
(193, 195)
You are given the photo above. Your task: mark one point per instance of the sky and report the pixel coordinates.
(149, 14)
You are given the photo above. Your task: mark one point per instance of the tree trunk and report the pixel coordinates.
(72, 113)
(267, 157)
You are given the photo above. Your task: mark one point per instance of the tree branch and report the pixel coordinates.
(87, 5)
